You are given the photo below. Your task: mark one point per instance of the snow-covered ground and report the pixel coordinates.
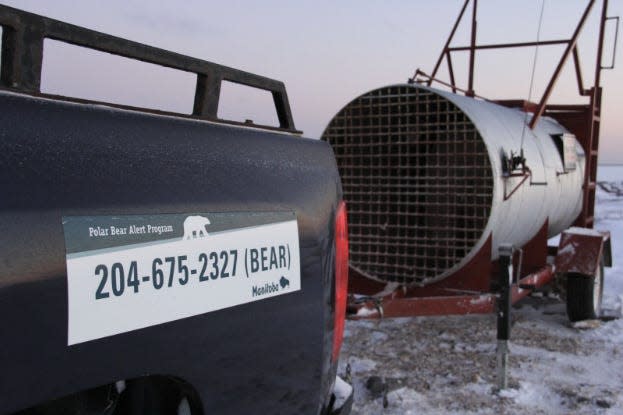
(446, 365)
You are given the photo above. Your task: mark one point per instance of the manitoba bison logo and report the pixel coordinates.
(195, 227)
(284, 282)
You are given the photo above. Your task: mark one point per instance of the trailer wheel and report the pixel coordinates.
(584, 295)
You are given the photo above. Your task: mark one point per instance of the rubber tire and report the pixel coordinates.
(581, 296)
(151, 395)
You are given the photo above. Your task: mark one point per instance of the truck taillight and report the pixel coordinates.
(341, 277)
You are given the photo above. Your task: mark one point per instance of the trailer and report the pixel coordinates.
(453, 198)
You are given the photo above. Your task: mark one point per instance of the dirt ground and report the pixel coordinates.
(448, 364)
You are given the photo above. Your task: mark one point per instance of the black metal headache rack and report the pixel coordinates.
(23, 35)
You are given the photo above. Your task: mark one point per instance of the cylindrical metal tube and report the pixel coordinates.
(427, 177)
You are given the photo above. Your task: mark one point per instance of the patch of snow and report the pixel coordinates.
(610, 173)
(586, 324)
(342, 391)
(120, 386)
(378, 336)
(583, 231)
(184, 407)
(366, 312)
(389, 288)
(361, 365)
(537, 397)
(482, 299)
(568, 249)
(554, 240)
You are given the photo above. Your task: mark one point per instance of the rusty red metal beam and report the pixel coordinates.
(436, 306)
(567, 107)
(571, 49)
(578, 72)
(525, 106)
(399, 303)
(445, 48)
(570, 46)
(472, 53)
(525, 176)
(538, 279)
(431, 79)
(509, 45)
(600, 43)
(450, 72)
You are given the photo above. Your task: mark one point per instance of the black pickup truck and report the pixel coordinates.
(160, 263)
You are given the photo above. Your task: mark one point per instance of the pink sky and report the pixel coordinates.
(326, 52)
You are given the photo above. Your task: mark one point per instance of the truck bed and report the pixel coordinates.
(62, 159)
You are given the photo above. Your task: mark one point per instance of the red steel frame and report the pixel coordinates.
(471, 289)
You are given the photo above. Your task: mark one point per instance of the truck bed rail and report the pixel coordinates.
(24, 33)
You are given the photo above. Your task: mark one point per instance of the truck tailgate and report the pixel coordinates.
(60, 159)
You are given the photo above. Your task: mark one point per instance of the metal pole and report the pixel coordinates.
(504, 314)
(445, 48)
(600, 44)
(472, 53)
(552, 82)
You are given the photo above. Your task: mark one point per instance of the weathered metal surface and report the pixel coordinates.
(530, 282)
(23, 34)
(402, 303)
(581, 251)
(426, 177)
(425, 306)
(530, 262)
(582, 120)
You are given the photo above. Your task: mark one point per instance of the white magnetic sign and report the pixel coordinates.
(129, 272)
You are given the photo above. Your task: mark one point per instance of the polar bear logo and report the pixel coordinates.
(195, 227)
